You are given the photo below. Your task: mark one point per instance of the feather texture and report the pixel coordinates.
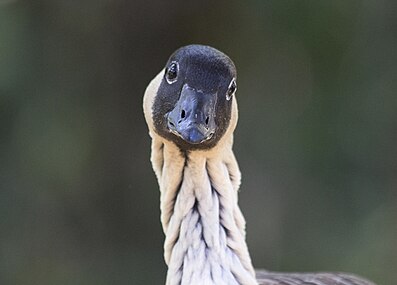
(272, 278)
(204, 227)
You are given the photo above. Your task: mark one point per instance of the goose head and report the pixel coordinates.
(191, 102)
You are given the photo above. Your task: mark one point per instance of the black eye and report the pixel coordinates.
(171, 73)
(231, 90)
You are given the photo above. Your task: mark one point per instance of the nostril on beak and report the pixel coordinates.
(183, 115)
(207, 120)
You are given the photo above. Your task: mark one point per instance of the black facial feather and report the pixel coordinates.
(202, 68)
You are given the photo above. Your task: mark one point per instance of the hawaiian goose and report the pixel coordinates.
(191, 112)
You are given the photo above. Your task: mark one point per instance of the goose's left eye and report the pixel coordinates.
(171, 73)
(231, 90)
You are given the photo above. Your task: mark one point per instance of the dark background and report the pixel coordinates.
(316, 140)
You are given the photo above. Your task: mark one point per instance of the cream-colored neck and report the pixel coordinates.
(203, 225)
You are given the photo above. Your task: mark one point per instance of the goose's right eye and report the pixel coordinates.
(171, 73)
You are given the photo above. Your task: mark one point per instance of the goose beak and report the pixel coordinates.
(193, 118)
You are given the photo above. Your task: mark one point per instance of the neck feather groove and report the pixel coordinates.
(203, 225)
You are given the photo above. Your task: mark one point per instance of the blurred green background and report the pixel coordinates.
(316, 141)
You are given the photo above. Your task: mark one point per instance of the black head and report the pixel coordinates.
(193, 104)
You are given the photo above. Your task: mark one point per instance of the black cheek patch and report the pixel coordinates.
(164, 102)
(223, 115)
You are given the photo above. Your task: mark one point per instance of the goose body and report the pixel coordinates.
(191, 112)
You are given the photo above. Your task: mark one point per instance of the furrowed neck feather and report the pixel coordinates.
(203, 225)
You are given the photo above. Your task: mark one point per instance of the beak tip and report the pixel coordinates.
(193, 136)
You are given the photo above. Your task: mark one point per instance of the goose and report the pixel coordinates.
(191, 111)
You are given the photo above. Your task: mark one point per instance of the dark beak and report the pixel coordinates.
(193, 118)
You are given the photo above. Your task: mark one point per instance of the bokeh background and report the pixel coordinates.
(316, 141)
